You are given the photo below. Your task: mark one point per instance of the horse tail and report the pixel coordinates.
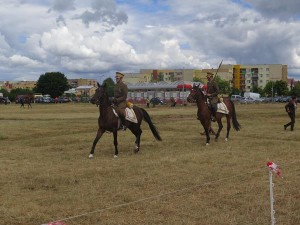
(151, 125)
(235, 123)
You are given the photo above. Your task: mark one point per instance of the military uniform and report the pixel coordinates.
(120, 96)
(212, 90)
(290, 108)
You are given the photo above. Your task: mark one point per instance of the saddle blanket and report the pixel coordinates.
(129, 115)
(222, 108)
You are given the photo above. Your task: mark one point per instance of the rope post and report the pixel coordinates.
(273, 168)
(272, 198)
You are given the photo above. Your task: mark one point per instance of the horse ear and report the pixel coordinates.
(98, 84)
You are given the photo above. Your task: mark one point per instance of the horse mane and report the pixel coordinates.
(106, 100)
(199, 91)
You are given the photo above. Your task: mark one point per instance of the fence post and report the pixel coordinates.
(272, 198)
(273, 168)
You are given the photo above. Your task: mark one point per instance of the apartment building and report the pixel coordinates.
(8, 86)
(245, 77)
(167, 75)
(242, 77)
(82, 82)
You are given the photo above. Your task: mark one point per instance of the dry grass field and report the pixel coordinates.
(46, 174)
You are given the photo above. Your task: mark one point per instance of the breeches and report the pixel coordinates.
(292, 117)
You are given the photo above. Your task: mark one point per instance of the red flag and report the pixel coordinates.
(275, 168)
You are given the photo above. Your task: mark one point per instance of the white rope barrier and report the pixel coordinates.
(148, 198)
(58, 222)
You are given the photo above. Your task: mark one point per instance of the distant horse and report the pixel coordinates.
(108, 121)
(25, 99)
(204, 113)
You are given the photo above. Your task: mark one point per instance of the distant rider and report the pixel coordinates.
(120, 96)
(212, 92)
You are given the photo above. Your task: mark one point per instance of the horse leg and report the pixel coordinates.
(219, 120)
(115, 133)
(137, 131)
(206, 126)
(98, 136)
(228, 127)
(211, 131)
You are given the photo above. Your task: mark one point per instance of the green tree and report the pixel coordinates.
(160, 77)
(4, 92)
(278, 87)
(235, 91)
(268, 90)
(52, 83)
(258, 90)
(224, 86)
(196, 79)
(110, 86)
(281, 88)
(296, 89)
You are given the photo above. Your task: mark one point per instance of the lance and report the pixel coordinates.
(218, 69)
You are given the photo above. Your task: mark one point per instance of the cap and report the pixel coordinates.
(209, 74)
(118, 74)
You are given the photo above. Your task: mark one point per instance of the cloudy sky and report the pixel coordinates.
(96, 38)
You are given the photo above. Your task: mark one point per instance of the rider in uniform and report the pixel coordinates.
(212, 92)
(120, 96)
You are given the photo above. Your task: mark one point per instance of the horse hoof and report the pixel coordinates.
(226, 139)
(136, 149)
(207, 144)
(91, 156)
(115, 156)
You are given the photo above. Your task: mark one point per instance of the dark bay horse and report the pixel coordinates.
(204, 113)
(108, 121)
(25, 99)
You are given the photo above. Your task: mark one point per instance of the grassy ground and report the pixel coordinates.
(46, 174)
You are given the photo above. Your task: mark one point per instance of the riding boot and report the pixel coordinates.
(123, 121)
(213, 114)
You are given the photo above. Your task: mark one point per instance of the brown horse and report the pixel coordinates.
(108, 121)
(204, 113)
(25, 99)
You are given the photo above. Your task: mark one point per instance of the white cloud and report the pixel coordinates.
(99, 36)
(18, 60)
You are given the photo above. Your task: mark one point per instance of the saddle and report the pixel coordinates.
(129, 113)
(221, 107)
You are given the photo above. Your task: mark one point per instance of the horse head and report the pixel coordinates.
(100, 97)
(195, 94)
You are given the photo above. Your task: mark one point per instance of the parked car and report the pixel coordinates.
(156, 101)
(4, 100)
(64, 99)
(235, 98)
(244, 100)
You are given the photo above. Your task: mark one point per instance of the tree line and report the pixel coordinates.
(56, 83)
(272, 88)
